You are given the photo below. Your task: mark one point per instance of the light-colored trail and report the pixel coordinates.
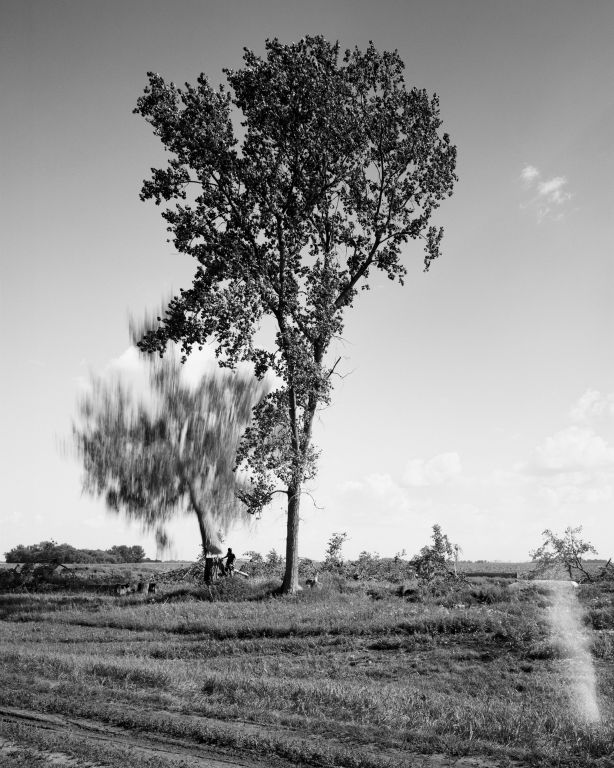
(570, 637)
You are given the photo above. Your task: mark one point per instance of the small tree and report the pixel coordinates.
(274, 559)
(332, 555)
(340, 165)
(127, 554)
(433, 560)
(174, 452)
(564, 551)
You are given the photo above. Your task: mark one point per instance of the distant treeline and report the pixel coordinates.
(52, 552)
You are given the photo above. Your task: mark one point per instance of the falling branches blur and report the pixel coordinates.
(171, 451)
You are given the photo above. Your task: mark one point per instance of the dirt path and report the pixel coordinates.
(148, 745)
(11, 751)
(192, 755)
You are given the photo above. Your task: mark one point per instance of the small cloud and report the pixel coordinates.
(529, 173)
(592, 405)
(381, 485)
(129, 361)
(132, 367)
(551, 194)
(440, 470)
(552, 188)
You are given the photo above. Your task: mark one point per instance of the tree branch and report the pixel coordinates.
(345, 292)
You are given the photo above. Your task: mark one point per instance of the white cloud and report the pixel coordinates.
(130, 361)
(553, 189)
(576, 488)
(529, 173)
(574, 466)
(381, 485)
(440, 470)
(132, 367)
(387, 491)
(572, 449)
(569, 474)
(592, 405)
(550, 194)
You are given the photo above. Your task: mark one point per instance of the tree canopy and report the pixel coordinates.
(433, 559)
(565, 551)
(336, 165)
(172, 452)
(52, 552)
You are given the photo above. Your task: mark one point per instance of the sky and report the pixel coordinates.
(479, 396)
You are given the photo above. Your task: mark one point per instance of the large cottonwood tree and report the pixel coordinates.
(337, 164)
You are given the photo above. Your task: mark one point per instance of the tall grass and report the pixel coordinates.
(478, 675)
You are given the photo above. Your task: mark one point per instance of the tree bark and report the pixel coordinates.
(290, 583)
(203, 532)
(207, 533)
(208, 576)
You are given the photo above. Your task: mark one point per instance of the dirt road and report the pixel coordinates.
(172, 751)
(90, 730)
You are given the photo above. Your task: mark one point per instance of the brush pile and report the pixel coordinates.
(194, 572)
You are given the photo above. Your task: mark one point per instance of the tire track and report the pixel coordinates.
(194, 756)
(150, 745)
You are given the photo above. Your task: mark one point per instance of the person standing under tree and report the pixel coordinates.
(230, 558)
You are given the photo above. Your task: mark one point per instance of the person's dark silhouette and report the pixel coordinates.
(230, 558)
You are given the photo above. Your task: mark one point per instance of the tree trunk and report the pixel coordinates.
(208, 535)
(203, 532)
(290, 583)
(208, 570)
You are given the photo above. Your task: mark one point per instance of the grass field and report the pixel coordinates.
(347, 675)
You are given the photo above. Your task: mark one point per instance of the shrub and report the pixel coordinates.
(52, 552)
(432, 562)
(274, 565)
(373, 567)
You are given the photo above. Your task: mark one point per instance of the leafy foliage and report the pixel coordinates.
(126, 554)
(563, 551)
(433, 559)
(339, 166)
(271, 565)
(52, 552)
(176, 452)
(371, 566)
(332, 556)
